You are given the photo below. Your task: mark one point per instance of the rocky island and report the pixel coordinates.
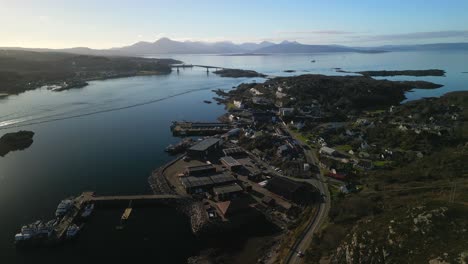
(15, 141)
(238, 73)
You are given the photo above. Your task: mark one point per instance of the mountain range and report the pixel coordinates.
(168, 46)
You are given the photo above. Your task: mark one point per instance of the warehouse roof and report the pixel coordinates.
(227, 189)
(231, 151)
(230, 161)
(205, 144)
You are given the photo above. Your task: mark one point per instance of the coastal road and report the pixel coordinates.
(302, 243)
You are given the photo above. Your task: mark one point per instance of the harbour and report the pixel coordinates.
(112, 161)
(71, 214)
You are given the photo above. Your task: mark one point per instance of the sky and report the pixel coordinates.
(106, 23)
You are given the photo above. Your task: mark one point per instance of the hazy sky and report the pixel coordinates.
(105, 23)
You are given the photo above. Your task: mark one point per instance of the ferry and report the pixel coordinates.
(72, 231)
(63, 207)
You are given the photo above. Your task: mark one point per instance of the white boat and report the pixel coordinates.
(63, 207)
(88, 210)
(22, 237)
(72, 231)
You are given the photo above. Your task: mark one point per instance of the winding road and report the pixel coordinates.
(302, 242)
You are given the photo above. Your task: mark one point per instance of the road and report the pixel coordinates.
(303, 241)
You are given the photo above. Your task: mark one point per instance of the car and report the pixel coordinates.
(300, 254)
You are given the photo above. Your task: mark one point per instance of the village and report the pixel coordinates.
(255, 157)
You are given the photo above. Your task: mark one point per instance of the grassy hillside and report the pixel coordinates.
(26, 70)
(413, 210)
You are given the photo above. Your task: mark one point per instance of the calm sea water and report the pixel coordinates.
(110, 135)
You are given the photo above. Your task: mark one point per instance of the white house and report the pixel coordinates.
(286, 111)
(238, 104)
(327, 151)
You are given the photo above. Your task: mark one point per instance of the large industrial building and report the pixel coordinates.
(205, 148)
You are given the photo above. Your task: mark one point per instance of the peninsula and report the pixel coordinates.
(27, 70)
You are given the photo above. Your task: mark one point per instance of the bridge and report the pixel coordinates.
(207, 67)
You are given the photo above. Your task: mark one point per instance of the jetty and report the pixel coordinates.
(199, 128)
(73, 215)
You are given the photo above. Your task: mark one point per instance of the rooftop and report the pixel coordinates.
(222, 178)
(227, 189)
(205, 144)
(231, 151)
(217, 179)
(200, 167)
(191, 181)
(230, 161)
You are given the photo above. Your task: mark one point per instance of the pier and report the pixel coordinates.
(126, 201)
(199, 128)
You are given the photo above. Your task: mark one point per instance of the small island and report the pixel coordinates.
(15, 141)
(389, 73)
(238, 73)
(417, 73)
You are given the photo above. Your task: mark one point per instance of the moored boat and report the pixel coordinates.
(88, 210)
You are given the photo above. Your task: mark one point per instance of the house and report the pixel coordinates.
(230, 208)
(289, 189)
(238, 104)
(285, 111)
(246, 186)
(268, 200)
(255, 91)
(298, 124)
(365, 164)
(280, 95)
(263, 117)
(337, 176)
(231, 163)
(236, 151)
(227, 192)
(204, 148)
(232, 133)
(261, 100)
(327, 151)
(283, 150)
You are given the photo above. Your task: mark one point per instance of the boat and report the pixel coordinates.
(63, 207)
(72, 231)
(35, 233)
(179, 147)
(313, 61)
(207, 102)
(87, 210)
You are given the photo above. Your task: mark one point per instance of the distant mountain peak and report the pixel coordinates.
(163, 40)
(289, 42)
